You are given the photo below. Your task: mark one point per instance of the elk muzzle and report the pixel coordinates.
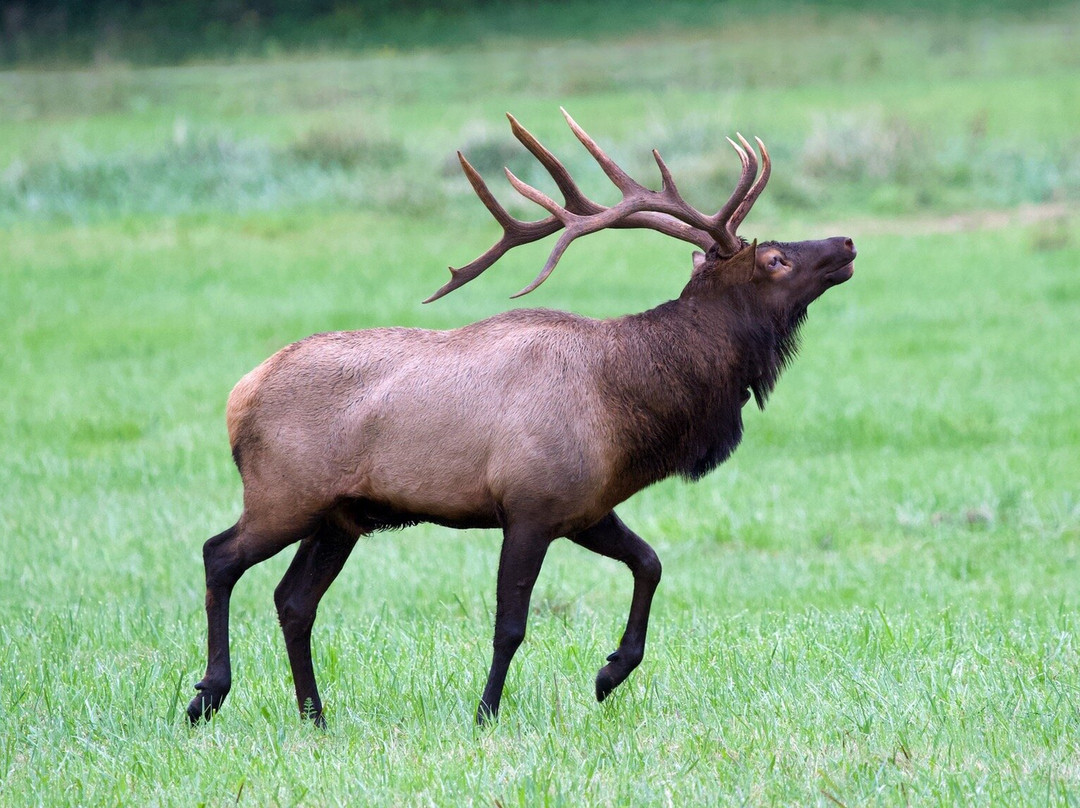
(837, 261)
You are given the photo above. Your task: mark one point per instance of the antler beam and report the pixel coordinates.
(664, 211)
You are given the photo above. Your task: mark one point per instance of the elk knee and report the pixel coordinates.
(508, 638)
(295, 618)
(223, 567)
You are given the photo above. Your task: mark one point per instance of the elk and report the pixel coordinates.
(536, 422)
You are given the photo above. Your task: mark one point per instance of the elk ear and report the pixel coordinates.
(713, 269)
(740, 267)
(713, 273)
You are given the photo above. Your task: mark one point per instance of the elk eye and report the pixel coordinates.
(775, 262)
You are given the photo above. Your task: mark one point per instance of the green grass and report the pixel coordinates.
(873, 602)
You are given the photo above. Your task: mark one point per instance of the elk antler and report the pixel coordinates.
(664, 211)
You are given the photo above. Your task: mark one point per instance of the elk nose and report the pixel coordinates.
(849, 245)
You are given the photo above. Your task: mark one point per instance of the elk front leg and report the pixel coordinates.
(522, 555)
(611, 538)
(316, 565)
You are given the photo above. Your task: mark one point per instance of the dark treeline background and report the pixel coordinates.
(75, 32)
(153, 31)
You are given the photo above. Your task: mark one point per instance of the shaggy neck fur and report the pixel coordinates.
(694, 360)
(766, 342)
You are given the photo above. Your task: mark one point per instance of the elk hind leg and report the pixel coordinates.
(226, 557)
(317, 563)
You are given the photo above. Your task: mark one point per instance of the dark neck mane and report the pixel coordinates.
(766, 341)
(679, 374)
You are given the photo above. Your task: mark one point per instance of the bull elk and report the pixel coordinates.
(536, 422)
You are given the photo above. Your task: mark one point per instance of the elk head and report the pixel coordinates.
(786, 276)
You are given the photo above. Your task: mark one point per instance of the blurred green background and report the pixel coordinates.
(873, 602)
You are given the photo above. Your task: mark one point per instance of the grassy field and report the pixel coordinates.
(874, 602)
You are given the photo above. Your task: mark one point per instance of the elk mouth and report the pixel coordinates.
(833, 259)
(843, 266)
(840, 274)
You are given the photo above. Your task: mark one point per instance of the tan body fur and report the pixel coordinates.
(450, 426)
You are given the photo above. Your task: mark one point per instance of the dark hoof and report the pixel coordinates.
(620, 664)
(204, 705)
(314, 715)
(485, 716)
(605, 683)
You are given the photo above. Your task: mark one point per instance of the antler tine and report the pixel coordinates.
(754, 192)
(549, 266)
(727, 238)
(515, 233)
(480, 187)
(623, 181)
(575, 225)
(667, 182)
(575, 200)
